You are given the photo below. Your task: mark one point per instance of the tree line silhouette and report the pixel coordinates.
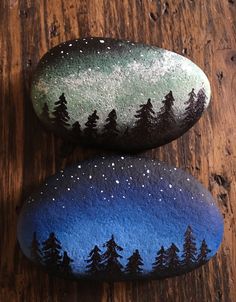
(107, 264)
(147, 122)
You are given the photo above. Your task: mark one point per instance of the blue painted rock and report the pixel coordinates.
(118, 94)
(120, 218)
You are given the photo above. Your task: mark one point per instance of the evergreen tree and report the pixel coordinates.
(111, 257)
(201, 102)
(160, 261)
(45, 114)
(95, 265)
(145, 118)
(134, 264)
(36, 254)
(91, 125)
(66, 264)
(51, 252)
(166, 117)
(190, 114)
(110, 128)
(172, 258)
(190, 249)
(60, 114)
(204, 251)
(76, 131)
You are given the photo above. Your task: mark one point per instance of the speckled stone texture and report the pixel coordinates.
(118, 94)
(120, 218)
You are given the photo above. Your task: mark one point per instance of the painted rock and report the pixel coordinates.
(120, 218)
(118, 94)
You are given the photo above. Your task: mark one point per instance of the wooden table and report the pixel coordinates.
(204, 31)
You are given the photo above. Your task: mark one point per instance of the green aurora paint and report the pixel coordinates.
(120, 77)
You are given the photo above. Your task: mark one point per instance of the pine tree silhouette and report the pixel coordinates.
(36, 254)
(95, 265)
(145, 119)
(160, 261)
(204, 251)
(65, 266)
(51, 252)
(190, 114)
(111, 257)
(172, 257)
(110, 129)
(45, 114)
(189, 249)
(91, 125)
(60, 114)
(166, 117)
(134, 264)
(201, 102)
(76, 131)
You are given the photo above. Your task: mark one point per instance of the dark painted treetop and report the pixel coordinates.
(95, 265)
(160, 260)
(110, 128)
(190, 249)
(51, 252)
(60, 113)
(190, 110)
(65, 266)
(145, 118)
(201, 102)
(134, 264)
(111, 257)
(91, 125)
(172, 258)
(166, 117)
(204, 251)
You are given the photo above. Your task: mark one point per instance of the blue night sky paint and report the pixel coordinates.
(144, 203)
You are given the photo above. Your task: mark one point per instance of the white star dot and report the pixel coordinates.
(53, 199)
(70, 44)
(108, 47)
(63, 207)
(117, 181)
(161, 190)
(112, 196)
(81, 51)
(78, 178)
(101, 191)
(142, 186)
(68, 189)
(62, 51)
(90, 176)
(180, 190)
(188, 179)
(71, 176)
(102, 41)
(122, 157)
(79, 166)
(170, 186)
(148, 171)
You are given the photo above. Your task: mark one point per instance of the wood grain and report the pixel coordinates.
(204, 31)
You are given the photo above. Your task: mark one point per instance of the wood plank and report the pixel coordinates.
(204, 31)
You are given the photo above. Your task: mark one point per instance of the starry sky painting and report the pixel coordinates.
(104, 74)
(144, 203)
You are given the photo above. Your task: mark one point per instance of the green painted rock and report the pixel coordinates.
(118, 94)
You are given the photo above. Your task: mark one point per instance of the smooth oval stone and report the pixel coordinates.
(120, 218)
(117, 94)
